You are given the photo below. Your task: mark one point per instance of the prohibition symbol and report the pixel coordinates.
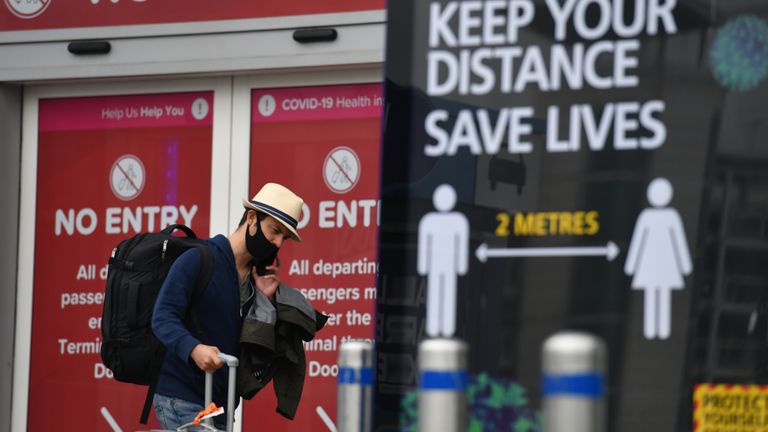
(27, 9)
(341, 169)
(127, 177)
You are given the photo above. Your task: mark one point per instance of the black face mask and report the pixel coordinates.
(262, 250)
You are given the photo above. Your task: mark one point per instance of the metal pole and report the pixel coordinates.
(355, 386)
(208, 395)
(574, 367)
(442, 385)
(232, 364)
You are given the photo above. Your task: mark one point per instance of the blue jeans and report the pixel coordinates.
(174, 412)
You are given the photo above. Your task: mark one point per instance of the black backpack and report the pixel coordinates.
(137, 268)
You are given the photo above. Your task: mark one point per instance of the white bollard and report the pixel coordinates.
(355, 386)
(574, 368)
(442, 385)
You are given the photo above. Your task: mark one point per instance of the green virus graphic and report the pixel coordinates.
(494, 405)
(739, 54)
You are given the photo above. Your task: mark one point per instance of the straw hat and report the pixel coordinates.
(280, 203)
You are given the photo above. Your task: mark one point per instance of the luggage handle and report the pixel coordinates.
(232, 362)
(171, 228)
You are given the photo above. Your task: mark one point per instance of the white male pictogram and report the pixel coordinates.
(443, 255)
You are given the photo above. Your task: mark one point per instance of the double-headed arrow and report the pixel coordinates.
(610, 251)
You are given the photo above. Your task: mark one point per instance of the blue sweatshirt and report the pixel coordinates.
(218, 312)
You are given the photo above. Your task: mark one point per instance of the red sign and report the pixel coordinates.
(51, 14)
(108, 167)
(323, 143)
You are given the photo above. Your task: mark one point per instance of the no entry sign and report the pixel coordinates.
(108, 168)
(323, 143)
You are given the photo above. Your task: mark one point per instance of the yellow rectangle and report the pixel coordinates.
(730, 408)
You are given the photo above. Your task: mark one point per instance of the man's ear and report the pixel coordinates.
(251, 218)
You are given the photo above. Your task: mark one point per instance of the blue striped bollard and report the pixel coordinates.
(574, 368)
(355, 386)
(442, 385)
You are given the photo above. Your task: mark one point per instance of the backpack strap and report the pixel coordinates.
(151, 390)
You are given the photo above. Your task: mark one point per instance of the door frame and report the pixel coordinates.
(229, 175)
(221, 139)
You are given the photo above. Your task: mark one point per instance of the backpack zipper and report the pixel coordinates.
(165, 247)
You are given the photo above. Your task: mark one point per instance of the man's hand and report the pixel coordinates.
(206, 357)
(268, 283)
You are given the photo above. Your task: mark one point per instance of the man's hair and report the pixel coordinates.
(259, 217)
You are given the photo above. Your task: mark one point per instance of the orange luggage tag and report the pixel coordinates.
(211, 411)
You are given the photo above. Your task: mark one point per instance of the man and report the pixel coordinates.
(270, 219)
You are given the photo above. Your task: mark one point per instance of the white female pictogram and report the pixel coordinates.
(443, 254)
(658, 257)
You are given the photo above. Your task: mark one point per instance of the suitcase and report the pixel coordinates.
(207, 424)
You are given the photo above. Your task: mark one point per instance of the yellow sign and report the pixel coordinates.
(577, 223)
(730, 408)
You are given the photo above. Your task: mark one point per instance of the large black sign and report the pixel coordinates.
(597, 165)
